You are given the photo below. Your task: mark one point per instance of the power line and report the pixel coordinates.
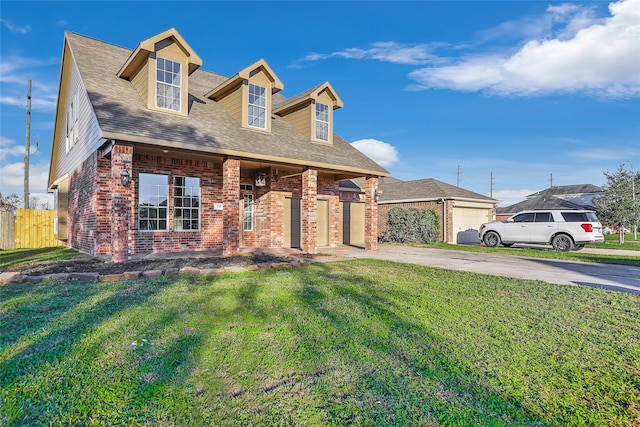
(27, 147)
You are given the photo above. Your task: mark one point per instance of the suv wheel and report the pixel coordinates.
(562, 242)
(491, 239)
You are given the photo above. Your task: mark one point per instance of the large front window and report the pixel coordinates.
(248, 212)
(322, 121)
(153, 201)
(186, 199)
(168, 84)
(257, 106)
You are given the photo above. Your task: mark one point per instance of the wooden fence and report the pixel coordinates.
(7, 227)
(28, 229)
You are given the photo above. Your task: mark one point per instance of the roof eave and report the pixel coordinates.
(243, 154)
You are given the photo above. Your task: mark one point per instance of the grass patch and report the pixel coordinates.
(611, 241)
(360, 342)
(546, 253)
(17, 257)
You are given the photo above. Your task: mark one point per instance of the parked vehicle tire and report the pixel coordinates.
(578, 247)
(491, 239)
(562, 242)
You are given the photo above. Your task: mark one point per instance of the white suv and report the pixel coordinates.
(563, 229)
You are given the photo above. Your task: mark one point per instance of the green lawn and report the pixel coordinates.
(16, 257)
(611, 242)
(548, 252)
(342, 343)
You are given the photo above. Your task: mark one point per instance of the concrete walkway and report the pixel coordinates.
(608, 276)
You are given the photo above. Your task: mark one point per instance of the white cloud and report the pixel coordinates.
(8, 148)
(12, 177)
(14, 28)
(16, 70)
(621, 154)
(397, 53)
(599, 57)
(381, 152)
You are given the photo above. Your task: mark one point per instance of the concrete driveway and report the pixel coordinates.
(607, 276)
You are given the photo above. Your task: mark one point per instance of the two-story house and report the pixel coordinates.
(152, 154)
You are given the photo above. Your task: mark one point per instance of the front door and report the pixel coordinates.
(323, 223)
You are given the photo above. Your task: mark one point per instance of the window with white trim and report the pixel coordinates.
(322, 121)
(153, 202)
(186, 203)
(168, 84)
(257, 106)
(72, 122)
(248, 212)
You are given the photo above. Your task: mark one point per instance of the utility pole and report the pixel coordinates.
(491, 185)
(27, 147)
(551, 179)
(633, 198)
(458, 177)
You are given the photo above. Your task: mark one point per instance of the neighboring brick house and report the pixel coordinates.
(579, 196)
(460, 212)
(151, 154)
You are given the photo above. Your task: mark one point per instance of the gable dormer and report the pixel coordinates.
(247, 96)
(311, 112)
(159, 68)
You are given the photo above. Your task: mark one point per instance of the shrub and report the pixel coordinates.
(411, 226)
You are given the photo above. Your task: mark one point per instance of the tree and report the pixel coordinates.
(10, 203)
(618, 205)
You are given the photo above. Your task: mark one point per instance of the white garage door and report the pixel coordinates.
(466, 222)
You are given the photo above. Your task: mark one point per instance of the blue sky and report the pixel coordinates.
(520, 89)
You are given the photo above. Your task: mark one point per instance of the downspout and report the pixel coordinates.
(444, 220)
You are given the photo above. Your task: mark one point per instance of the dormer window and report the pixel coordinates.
(247, 96)
(257, 106)
(311, 112)
(168, 84)
(322, 121)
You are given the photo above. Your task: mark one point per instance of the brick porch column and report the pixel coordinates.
(122, 203)
(371, 215)
(231, 212)
(309, 226)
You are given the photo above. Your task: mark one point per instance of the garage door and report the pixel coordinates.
(323, 223)
(353, 223)
(466, 222)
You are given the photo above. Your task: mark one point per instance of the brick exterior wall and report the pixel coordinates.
(432, 205)
(231, 213)
(122, 204)
(371, 215)
(309, 207)
(89, 208)
(103, 214)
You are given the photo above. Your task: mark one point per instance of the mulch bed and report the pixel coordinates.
(104, 268)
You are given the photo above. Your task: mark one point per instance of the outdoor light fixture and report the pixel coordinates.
(376, 195)
(261, 179)
(125, 177)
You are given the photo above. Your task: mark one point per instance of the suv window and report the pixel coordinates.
(524, 217)
(575, 217)
(544, 217)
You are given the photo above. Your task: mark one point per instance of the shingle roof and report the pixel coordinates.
(395, 190)
(540, 202)
(422, 189)
(579, 196)
(567, 189)
(208, 128)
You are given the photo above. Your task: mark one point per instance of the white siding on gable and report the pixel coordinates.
(86, 132)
